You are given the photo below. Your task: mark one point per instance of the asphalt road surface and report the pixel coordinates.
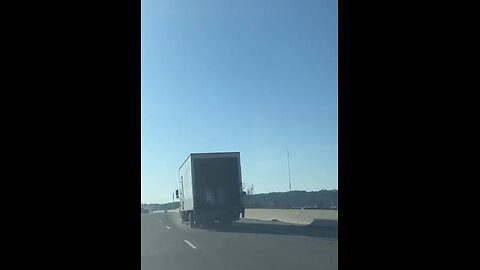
(248, 244)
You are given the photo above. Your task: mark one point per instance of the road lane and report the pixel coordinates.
(248, 244)
(162, 248)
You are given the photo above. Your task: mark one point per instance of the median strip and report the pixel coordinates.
(190, 244)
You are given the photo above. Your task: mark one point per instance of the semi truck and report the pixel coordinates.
(210, 188)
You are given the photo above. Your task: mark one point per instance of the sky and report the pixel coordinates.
(253, 76)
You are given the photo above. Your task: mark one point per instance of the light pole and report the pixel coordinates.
(289, 182)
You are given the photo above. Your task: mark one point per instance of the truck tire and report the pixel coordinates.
(184, 216)
(191, 217)
(209, 223)
(226, 222)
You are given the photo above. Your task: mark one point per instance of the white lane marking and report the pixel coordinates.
(168, 227)
(190, 244)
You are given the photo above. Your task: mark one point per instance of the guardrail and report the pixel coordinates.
(313, 217)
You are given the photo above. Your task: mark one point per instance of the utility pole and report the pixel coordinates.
(289, 182)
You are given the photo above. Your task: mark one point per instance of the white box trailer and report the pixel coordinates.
(211, 188)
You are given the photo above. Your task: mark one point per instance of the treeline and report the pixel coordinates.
(159, 207)
(323, 199)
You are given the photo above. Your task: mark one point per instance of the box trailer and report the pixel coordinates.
(211, 188)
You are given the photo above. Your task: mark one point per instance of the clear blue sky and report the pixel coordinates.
(252, 76)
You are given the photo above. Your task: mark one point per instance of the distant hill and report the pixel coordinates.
(323, 199)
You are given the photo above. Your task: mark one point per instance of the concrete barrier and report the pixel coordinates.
(164, 211)
(313, 217)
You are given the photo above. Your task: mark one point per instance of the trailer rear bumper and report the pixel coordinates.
(210, 215)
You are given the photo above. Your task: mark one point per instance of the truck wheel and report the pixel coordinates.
(191, 217)
(184, 216)
(209, 223)
(227, 222)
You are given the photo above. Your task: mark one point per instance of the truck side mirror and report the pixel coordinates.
(176, 193)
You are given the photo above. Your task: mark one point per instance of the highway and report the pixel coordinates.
(167, 243)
